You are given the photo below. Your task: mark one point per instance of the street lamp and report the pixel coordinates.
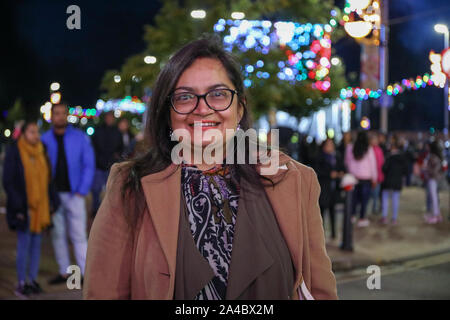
(358, 29)
(55, 86)
(55, 97)
(150, 59)
(238, 15)
(442, 28)
(198, 14)
(335, 61)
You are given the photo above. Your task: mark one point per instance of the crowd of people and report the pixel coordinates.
(47, 178)
(382, 166)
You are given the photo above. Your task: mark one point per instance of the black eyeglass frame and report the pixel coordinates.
(199, 96)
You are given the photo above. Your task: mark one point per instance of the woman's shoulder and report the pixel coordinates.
(293, 164)
(12, 150)
(119, 171)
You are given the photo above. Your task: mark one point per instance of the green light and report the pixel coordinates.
(90, 131)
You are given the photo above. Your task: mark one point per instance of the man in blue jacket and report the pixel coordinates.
(73, 165)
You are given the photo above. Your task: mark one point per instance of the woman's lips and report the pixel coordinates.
(205, 125)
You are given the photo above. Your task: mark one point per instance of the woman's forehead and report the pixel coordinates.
(204, 73)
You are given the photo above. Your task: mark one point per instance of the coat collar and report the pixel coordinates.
(162, 194)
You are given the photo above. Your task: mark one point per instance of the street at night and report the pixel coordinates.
(151, 150)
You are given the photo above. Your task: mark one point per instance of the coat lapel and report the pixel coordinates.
(250, 257)
(285, 201)
(162, 194)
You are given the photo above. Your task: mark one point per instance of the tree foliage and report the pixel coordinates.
(173, 27)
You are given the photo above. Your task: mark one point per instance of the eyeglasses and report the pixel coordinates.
(217, 100)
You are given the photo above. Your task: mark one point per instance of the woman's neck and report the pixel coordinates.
(204, 164)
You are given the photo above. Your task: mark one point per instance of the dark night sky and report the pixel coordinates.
(38, 49)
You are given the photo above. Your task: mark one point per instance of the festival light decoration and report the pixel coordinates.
(445, 62)
(150, 59)
(358, 4)
(365, 123)
(80, 112)
(358, 29)
(198, 14)
(362, 19)
(46, 111)
(391, 90)
(55, 86)
(129, 104)
(55, 97)
(307, 48)
(437, 76)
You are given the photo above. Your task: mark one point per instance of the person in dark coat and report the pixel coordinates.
(128, 139)
(108, 146)
(329, 168)
(394, 169)
(31, 198)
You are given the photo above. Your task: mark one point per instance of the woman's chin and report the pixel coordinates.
(203, 144)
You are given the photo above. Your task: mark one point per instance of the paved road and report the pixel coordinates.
(426, 278)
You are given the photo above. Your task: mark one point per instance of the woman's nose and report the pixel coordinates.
(202, 108)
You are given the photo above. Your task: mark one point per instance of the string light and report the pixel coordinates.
(307, 48)
(391, 90)
(438, 77)
(361, 20)
(365, 123)
(128, 104)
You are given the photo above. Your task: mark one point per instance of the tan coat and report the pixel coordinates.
(120, 266)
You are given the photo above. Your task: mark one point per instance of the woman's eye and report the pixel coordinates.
(184, 97)
(219, 93)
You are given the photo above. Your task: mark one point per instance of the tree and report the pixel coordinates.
(174, 27)
(16, 113)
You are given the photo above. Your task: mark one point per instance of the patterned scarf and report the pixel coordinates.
(212, 201)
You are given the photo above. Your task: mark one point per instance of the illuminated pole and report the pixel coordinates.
(384, 62)
(446, 97)
(441, 28)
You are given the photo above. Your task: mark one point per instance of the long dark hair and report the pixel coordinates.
(158, 156)
(361, 145)
(435, 149)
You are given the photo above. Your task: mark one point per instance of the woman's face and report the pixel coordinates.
(374, 140)
(31, 134)
(203, 75)
(328, 147)
(347, 137)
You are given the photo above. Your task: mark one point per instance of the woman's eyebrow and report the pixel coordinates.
(209, 88)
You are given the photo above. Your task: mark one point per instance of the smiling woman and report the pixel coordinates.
(168, 231)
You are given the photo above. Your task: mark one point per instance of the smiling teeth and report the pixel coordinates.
(205, 124)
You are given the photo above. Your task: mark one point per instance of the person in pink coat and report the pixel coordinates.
(379, 156)
(361, 162)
